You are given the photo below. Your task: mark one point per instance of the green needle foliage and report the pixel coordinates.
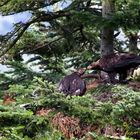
(62, 35)
(120, 111)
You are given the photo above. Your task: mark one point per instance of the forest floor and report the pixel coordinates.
(105, 112)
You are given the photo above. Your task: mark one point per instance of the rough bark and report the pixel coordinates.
(107, 32)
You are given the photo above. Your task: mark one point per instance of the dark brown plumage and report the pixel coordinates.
(116, 64)
(73, 84)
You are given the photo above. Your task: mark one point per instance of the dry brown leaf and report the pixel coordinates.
(93, 84)
(43, 112)
(8, 100)
(71, 127)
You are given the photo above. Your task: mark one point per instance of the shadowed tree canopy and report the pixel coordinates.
(67, 31)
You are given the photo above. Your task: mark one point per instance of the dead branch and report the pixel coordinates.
(96, 76)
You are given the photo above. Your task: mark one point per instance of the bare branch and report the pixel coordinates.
(43, 45)
(96, 76)
(9, 46)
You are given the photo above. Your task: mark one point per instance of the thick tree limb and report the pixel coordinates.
(33, 6)
(10, 46)
(96, 76)
(42, 45)
(45, 44)
(42, 17)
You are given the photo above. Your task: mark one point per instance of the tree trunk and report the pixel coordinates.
(108, 8)
(107, 33)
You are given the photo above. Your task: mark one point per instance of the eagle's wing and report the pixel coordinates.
(126, 63)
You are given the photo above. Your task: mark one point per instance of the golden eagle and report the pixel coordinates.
(116, 64)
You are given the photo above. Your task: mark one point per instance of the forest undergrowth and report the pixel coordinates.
(39, 111)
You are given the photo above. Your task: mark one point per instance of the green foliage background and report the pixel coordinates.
(60, 40)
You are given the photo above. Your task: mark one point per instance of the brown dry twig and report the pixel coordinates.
(8, 100)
